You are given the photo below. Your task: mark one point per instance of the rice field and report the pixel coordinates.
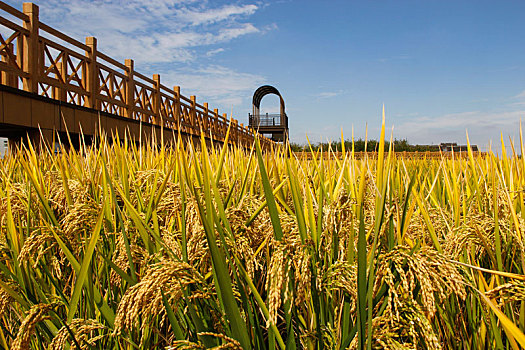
(119, 246)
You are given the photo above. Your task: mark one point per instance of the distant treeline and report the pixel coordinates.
(359, 146)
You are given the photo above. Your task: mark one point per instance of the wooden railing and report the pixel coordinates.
(44, 61)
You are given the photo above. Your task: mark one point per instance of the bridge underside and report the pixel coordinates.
(26, 116)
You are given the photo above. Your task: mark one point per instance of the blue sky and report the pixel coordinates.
(440, 67)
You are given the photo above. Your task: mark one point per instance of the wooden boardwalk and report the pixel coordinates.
(51, 82)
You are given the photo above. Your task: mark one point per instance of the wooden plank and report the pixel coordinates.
(7, 23)
(144, 111)
(168, 115)
(8, 78)
(31, 47)
(176, 92)
(167, 89)
(224, 120)
(142, 85)
(111, 61)
(90, 75)
(64, 37)
(61, 48)
(13, 11)
(200, 108)
(145, 78)
(68, 87)
(168, 97)
(130, 89)
(44, 114)
(105, 68)
(17, 109)
(184, 98)
(8, 68)
(111, 100)
(156, 97)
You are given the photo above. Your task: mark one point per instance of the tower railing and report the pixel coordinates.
(267, 119)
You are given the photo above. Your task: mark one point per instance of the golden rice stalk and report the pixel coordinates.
(412, 330)
(228, 343)
(5, 300)
(39, 243)
(144, 299)
(36, 314)
(185, 345)
(508, 292)
(435, 275)
(84, 331)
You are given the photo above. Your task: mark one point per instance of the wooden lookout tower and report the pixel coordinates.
(273, 125)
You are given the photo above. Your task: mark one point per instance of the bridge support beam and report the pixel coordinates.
(27, 117)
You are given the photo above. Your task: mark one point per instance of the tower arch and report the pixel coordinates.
(274, 124)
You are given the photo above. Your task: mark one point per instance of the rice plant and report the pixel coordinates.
(124, 246)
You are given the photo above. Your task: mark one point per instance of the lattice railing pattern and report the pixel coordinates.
(112, 90)
(12, 38)
(44, 61)
(61, 73)
(143, 103)
(168, 111)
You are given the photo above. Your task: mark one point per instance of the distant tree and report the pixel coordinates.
(296, 147)
(360, 145)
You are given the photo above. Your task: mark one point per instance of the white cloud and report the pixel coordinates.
(330, 94)
(153, 31)
(520, 98)
(196, 17)
(214, 52)
(481, 127)
(216, 84)
(175, 38)
(232, 33)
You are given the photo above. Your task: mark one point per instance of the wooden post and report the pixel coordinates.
(130, 89)
(9, 78)
(206, 120)
(216, 122)
(232, 130)
(193, 113)
(91, 73)
(31, 62)
(156, 100)
(176, 93)
(243, 136)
